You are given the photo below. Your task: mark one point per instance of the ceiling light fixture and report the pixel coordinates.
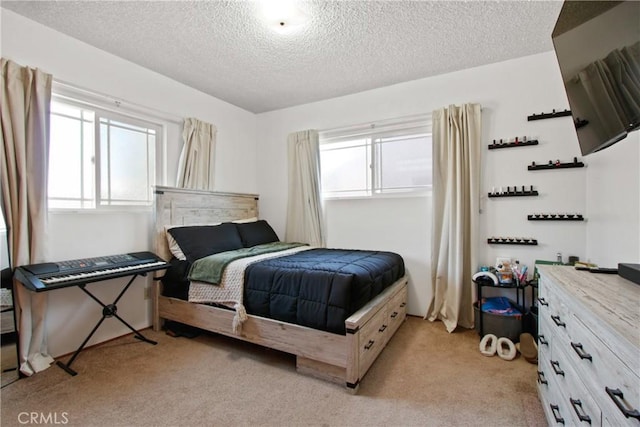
(283, 16)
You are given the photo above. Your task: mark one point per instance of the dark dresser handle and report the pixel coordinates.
(403, 304)
(542, 340)
(382, 328)
(557, 321)
(369, 344)
(556, 367)
(541, 379)
(617, 396)
(577, 347)
(394, 314)
(579, 412)
(543, 301)
(554, 409)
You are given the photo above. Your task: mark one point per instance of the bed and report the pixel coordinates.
(340, 347)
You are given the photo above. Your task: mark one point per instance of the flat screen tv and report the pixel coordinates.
(597, 44)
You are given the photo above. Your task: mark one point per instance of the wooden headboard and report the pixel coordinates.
(181, 206)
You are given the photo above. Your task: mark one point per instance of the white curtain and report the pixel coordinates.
(26, 97)
(304, 212)
(456, 194)
(197, 160)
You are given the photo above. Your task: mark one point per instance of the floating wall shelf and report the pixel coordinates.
(512, 241)
(514, 194)
(556, 165)
(555, 217)
(516, 143)
(551, 115)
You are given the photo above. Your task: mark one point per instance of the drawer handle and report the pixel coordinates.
(556, 367)
(558, 322)
(369, 344)
(617, 397)
(541, 379)
(577, 347)
(403, 304)
(554, 409)
(543, 301)
(394, 314)
(579, 412)
(382, 328)
(542, 340)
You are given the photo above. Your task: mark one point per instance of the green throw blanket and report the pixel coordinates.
(210, 269)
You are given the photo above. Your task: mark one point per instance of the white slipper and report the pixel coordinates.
(488, 345)
(508, 353)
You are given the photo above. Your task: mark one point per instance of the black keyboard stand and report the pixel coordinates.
(110, 310)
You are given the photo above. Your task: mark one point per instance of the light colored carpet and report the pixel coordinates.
(425, 377)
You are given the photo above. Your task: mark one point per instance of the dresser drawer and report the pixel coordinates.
(602, 369)
(577, 397)
(549, 392)
(554, 311)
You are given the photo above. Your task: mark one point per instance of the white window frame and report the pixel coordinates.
(373, 132)
(115, 111)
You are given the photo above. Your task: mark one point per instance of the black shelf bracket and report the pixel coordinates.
(551, 115)
(512, 144)
(512, 241)
(556, 165)
(555, 217)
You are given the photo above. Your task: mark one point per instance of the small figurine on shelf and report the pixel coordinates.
(558, 162)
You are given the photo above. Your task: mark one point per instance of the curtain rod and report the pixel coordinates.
(69, 89)
(372, 123)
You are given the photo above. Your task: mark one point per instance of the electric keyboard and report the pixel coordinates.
(53, 275)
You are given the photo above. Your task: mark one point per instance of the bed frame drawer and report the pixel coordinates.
(396, 312)
(372, 338)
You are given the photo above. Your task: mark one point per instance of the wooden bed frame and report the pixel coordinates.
(339, 358)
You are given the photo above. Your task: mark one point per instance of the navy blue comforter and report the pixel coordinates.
(319, 288)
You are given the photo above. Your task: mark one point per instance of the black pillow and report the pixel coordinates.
(256, 233)
(203, 240)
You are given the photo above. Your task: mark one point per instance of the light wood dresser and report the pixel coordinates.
(589, 347)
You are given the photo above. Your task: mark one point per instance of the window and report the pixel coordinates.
(384, 158)
(99, 159)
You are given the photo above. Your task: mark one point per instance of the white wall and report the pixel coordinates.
(75, 235)
(508, 92)
(613, 203)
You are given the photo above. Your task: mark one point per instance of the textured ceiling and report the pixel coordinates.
(226, 49)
